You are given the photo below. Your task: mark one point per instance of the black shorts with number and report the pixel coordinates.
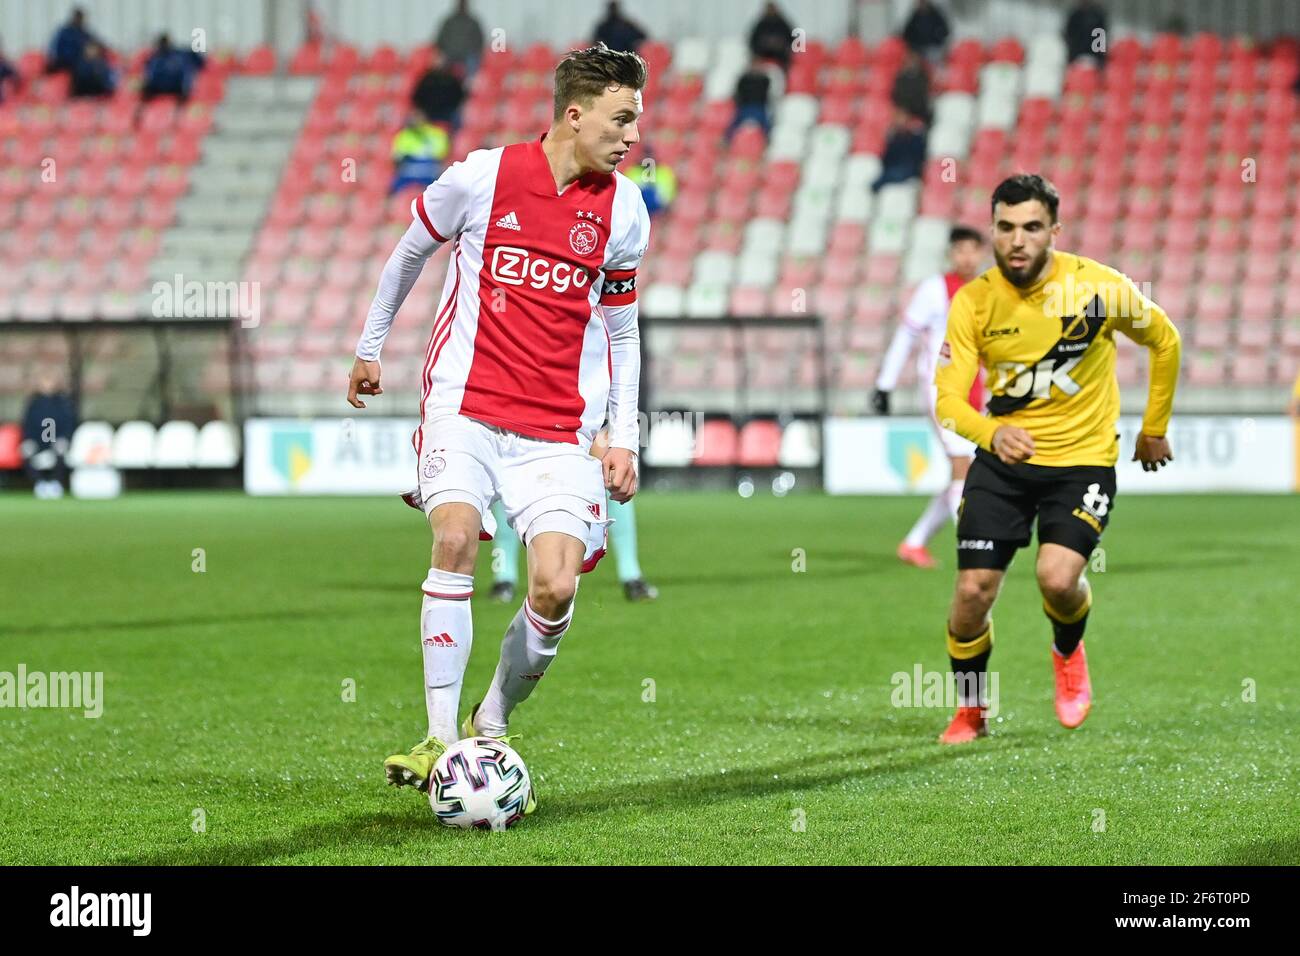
(1000, 502)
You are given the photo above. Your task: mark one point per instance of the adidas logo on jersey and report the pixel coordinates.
(509, 221)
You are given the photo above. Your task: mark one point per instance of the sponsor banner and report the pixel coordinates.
(329, 456)
(1211, 453)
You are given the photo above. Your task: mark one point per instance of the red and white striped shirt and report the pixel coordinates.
(536, 330)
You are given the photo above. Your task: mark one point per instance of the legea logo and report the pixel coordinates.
(514, 266)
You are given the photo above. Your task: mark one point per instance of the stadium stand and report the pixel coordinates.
(277, 173)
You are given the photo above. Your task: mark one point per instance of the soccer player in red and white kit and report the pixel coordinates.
(535, 344)
(924, 323)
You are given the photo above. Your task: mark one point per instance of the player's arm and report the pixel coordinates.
(436, 215)
(959, 364)
(1147, 324)
(900, 347)
(619, 307)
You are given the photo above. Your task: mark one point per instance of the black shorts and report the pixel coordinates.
(999, 503)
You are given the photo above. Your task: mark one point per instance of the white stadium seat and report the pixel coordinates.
(920, 264)
(92, 445)
(948, 141)
(896, 202)
(706, 300)
(808, 235)
(830, 141)
(133, 445)
(954, 109)
(716, 267)
(855, 205)
(1048, 49)
(691, 55)
(813, 201)
(788, 142)
(758, 270)
(797, 109)
(175, 445)
(672, 443)
(860, 171)
(664, 301)
(217, 446)
(930, 234)
(762, 236)
(1044, 81)
(801, 443)
(888, 236)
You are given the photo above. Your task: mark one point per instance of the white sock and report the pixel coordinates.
(528, 649)
(446, 635)
(932, 519)
(954, 496)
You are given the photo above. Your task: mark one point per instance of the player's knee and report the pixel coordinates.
(1058, 584)
(976, 592)
(455, 549)
(551, 594)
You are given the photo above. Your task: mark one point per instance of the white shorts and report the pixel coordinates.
(542, 485)
(953, 444)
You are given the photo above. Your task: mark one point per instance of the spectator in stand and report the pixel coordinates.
(170, 71)
(904, 154)
(8, 74)
(926, 31)
(772, 37)
(460, 40)
(658, 183)
(618, 32)
(93, 76)
(419, 150)
(439, 94)
(1082, 38)
(911, 92)
(48, 423)
(68, 47)
(753, 100)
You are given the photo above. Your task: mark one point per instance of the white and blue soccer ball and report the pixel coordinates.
(479, 783)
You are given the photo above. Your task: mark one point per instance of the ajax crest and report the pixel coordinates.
(434, 465)
(582, 238)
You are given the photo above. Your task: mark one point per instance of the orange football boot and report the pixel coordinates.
(1073, 689)
(967, 724)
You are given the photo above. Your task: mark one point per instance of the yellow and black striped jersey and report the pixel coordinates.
(1049, 351)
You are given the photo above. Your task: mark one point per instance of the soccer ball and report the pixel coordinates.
(479, 782)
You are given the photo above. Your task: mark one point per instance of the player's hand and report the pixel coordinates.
(1153, 452)
(880, 401)
(1012, 445)
(364, 380)
(619, 467)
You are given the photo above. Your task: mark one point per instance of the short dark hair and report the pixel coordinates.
(961, 233)
(1025, 186)
(585, 74)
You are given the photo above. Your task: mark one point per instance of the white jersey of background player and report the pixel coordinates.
(534, 345)
(925, 322)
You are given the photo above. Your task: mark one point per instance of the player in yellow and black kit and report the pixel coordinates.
(1043, 324)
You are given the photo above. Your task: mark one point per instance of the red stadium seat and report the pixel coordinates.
(760, 444)
(716, 444)
(1250, 368)
(11, 436)
(259, 62)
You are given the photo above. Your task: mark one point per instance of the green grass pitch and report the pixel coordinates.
(771, 737)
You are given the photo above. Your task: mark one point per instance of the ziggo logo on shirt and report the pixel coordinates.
(514, 266)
